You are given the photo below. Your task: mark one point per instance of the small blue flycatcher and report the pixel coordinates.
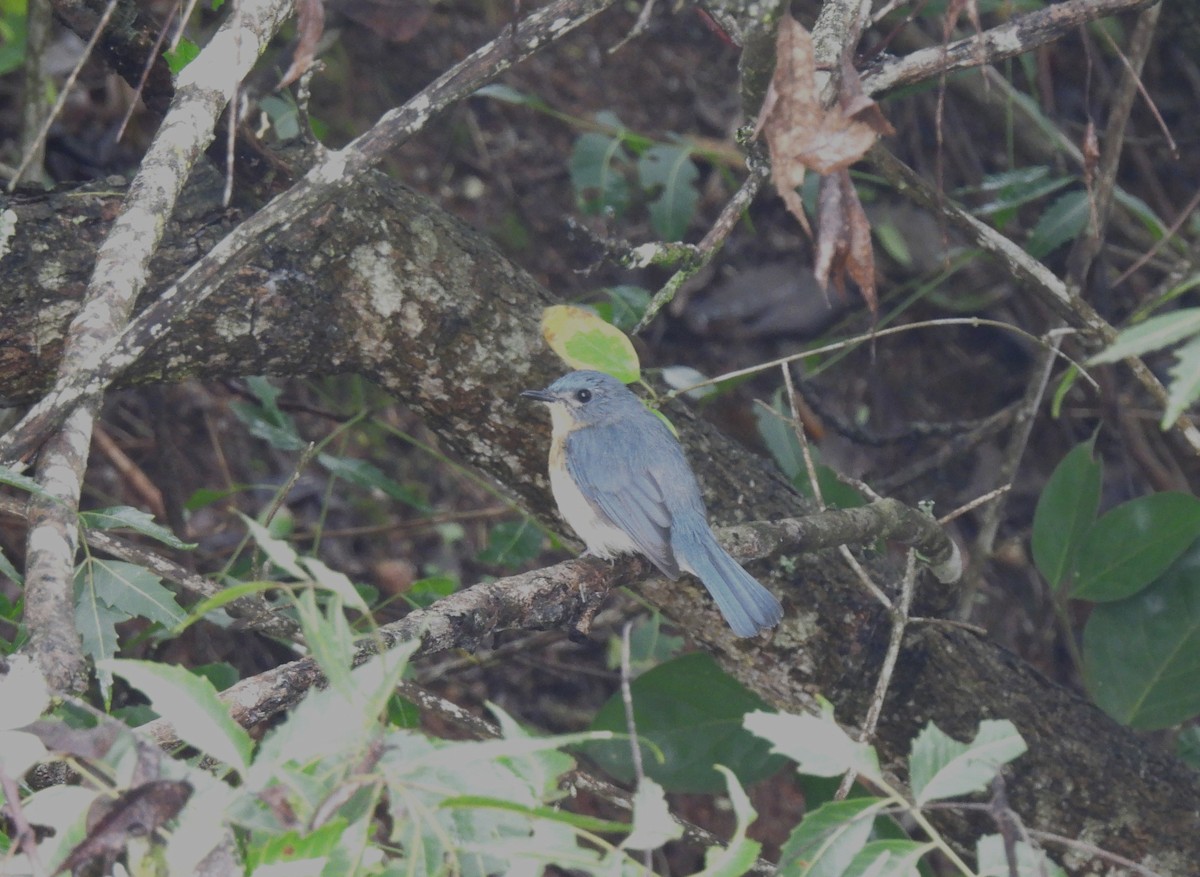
(623, 484)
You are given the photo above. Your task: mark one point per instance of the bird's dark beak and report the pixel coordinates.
(539, 395)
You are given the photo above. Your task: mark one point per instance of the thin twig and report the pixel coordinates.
(899, 612)
(34, 150)
(710, 244)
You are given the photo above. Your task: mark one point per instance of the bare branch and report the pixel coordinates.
(1023, 33)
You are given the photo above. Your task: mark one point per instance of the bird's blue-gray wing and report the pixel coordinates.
(611, 466)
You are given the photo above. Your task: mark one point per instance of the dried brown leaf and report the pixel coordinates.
(135, 813)
(310, 25)
(844, 239)
(396, 20)
(801, 134)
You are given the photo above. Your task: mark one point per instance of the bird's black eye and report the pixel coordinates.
(584, 396)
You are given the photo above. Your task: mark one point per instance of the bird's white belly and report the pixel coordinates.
(601, 537)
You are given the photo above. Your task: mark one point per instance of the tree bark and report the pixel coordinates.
(384, 283)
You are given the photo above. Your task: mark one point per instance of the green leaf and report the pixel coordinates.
(816, 743)
(277, 551)
(649, 646)
(741, 853)
(130, 589)
(426, 591)
(597, 173)
(691, 711)
(509, 95)
(652, 825)
(829, 838)
(888, 858)
(23, 692)
(19, 751)
(1187, 746)
(941, 767)
(7, 569)
(584, 340)
(134, 519)
(1133, 544)
(182, 55)
(775, 429)
(1065, 512)
(1141, 655)
(1142, 212)
(1063, 221)
(1184, 388)
(340, 719)
(512, 543)
(670, 167)
(328, 635)
(220, 674)
(1031, 862)
(295, 846)
(335, 582)
(370, 477)
(1019, 188)
(625, 306)
(22, 482)
(97, 623)
(191, 705)
(1154, 334)
(266, 421)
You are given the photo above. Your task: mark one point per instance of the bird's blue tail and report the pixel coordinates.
(745, 603)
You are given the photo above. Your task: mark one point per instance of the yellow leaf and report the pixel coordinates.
(583, 340)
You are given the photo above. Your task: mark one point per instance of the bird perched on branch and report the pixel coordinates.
(623, 484)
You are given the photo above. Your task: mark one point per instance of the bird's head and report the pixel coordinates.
(586, 398)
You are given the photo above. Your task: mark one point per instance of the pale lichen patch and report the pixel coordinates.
(374, 266)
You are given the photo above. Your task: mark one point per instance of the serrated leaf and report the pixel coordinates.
(597, 173)
(1134, 543)
(816, 743)
(1154, 334)
(1184, 387)
(670, 167)
(1141, 655)
(191, 705)
(130, 589)
(1031, 862)
(97, 623)
(691, 712)
(134, 519)
(829, 838)
(1064, 514)
(941, 767)
(1063, 221)
(583, 340)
